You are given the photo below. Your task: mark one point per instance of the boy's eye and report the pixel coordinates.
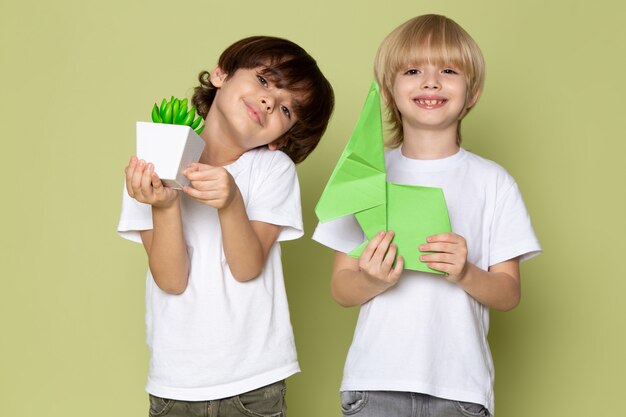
(449, 71)
(286, 111)
(412, 71)
(262, 80)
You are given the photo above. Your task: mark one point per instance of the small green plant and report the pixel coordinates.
(175, 112)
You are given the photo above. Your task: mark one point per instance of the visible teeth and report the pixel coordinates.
(429, 102)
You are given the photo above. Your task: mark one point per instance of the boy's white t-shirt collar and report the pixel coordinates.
(240, 163)
(426, 165)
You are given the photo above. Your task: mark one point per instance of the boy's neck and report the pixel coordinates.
(217, 151)
(424, 144)
(216, 154)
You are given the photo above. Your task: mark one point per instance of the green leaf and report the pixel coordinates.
(156, 118)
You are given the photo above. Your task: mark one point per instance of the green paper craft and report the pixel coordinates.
(358, 186)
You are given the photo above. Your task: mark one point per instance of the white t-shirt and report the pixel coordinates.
(222, 337)
(426, 334)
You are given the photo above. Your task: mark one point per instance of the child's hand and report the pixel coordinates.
(377, 258)
(451, 256)
(145, 186)
(213, 186)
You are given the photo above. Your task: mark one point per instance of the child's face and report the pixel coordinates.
(251, 111)
(430, 97)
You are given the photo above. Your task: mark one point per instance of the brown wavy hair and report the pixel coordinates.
(290, 67)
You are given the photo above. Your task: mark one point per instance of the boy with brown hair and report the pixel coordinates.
(217, 318)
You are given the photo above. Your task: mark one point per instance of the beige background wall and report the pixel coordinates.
(76, 75)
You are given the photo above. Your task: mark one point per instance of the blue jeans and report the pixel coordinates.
(268, 401)
(405, 404)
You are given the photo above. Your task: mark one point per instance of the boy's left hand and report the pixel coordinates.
(450, 256)
(213, 186)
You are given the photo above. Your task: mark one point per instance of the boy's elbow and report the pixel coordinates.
(174, 284)
(342, 301)
(246, 275)
(511, 303)
(173, 288)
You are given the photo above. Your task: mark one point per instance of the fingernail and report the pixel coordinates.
(429, 239)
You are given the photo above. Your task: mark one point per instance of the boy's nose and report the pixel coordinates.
(431, 82)
(267, 104)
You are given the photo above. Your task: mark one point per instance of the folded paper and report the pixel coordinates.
(358, 185)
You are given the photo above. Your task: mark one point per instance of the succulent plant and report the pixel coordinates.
(175, 112)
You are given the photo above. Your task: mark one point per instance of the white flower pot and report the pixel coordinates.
(171, 148)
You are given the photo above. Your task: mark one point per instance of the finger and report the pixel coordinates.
(444, 237)
(383, 247)
(197, 166)
(131, 162)
(441, 267)
(397, 270)
(201, 194)
(439, 247)
(129, 171)
(146, 180)
(390, 256)
(204, 167)
(371, 247)
(445, 258)
(137, 175)
(190, 168)
(206, 185)
(156, 182)
(204, 175)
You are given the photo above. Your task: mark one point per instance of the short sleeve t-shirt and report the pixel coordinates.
(222, 337)
(426, 334)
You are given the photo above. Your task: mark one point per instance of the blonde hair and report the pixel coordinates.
(427, 38)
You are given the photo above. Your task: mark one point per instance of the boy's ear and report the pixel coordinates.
(217, 77)
(474, 99)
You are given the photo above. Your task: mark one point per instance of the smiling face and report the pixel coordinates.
(426, 39)
(249, 110)
(430, 97)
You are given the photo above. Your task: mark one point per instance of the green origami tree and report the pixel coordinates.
(358, 186)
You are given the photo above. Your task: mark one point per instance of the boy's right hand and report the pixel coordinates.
(145, 186)
(377, 259)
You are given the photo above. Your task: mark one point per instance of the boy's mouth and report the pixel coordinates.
(254, 113)
(429, 103)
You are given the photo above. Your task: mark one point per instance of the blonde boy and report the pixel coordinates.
(420, 346)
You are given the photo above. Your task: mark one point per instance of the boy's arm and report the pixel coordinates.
(498, 288)
(246, 243)
(165, 243)
(356, 281)
(166, 249)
